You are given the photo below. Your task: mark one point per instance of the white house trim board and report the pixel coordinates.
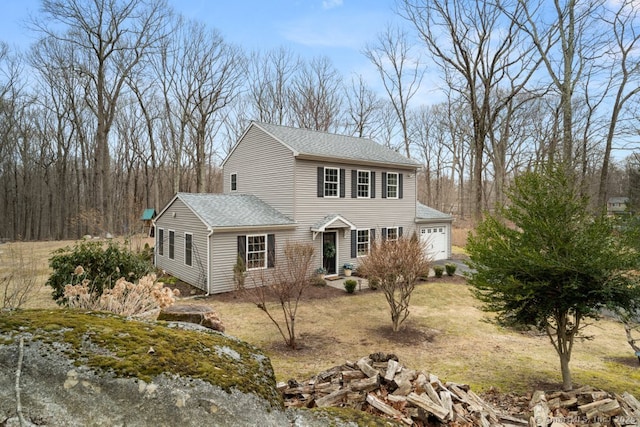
(329, 221)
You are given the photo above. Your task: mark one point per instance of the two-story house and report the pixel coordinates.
(281, 184)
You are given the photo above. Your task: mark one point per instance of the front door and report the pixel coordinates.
(330, 251)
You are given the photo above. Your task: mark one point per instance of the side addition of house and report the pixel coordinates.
(282, 184)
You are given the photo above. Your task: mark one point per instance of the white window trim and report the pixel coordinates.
(397, 185)
(397, 233)
(231, 181)
(169, 244)
(324, 183)
(185, 249)
(266, 251)
(358, 242)
(368, 172)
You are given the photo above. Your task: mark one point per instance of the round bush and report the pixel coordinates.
(96, 262)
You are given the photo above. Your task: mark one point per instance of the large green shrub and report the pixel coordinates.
(101, 265)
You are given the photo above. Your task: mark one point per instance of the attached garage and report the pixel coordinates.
(434, 228)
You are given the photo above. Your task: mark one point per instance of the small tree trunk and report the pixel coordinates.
(567, 383)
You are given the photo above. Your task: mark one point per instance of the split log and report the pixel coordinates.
(423, 401)
(393, 367)
(386, 409)
(332, 398)
(366, 385)
(367, 369)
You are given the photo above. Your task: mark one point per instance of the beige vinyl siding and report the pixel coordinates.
(224, 253)
(376, 213)
(185, 221)
(264, 168)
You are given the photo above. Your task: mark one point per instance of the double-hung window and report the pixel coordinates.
(392, 185)
(364, 183)
(362, 244)
(256, 252)
(188, 249)
(234, 181)
(160, 241)
(172, 244)
(392, 234)
(331, 182)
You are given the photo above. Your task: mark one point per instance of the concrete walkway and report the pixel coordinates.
(338, 282)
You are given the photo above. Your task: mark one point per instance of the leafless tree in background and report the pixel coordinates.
(363, 108)
(401, 73)
(476, 47)
(316, 99)
(270, 84)
(112, 37)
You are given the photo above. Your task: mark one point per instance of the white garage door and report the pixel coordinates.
(435, 241)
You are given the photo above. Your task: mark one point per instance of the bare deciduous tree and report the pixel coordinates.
(112, 37)
(398, 265)
(476, 47)
(283, 288)
(316, 97)
(401, 74)
(270, 84)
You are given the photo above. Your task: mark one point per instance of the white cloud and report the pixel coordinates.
(330, 4)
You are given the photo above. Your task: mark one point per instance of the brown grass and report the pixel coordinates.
(446, 334)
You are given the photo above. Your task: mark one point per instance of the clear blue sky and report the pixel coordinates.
(338, 29)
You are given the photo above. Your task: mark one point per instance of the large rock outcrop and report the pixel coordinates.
(68, 368)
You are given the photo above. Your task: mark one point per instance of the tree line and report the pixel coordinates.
(118, 104)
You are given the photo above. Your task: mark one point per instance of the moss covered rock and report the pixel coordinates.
(96, 369)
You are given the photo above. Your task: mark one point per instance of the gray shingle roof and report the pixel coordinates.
(425, 212)
(233, 210)
(328, 145)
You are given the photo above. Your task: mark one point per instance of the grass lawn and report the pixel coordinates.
(446, 334)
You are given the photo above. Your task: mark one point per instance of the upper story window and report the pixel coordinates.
(331, 182)
(188, 249)
(392, 185)
(172, 244)
(234, 181)
(364, 182)
(256, 252)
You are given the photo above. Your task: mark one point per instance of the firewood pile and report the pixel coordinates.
(585, 406)
(379, 384)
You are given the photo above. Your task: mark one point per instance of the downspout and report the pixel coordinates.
(209, 261)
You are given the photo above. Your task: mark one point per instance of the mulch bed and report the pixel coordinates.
(311, 293)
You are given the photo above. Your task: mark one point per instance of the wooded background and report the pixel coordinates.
(121, 103)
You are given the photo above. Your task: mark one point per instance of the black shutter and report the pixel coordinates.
(400, 186)
(373, 185)
(354, 184)
(383, 233)
(320, 181)
(384, 185)
(372, 235)
(271, 250)
(399, 231)
(342, 174)
(242, 249)
(354, 243)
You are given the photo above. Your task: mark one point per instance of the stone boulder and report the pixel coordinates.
(192, 313)
(71, 368)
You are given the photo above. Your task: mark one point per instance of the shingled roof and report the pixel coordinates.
(233, 210)
(425, 213)
(305, 143)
